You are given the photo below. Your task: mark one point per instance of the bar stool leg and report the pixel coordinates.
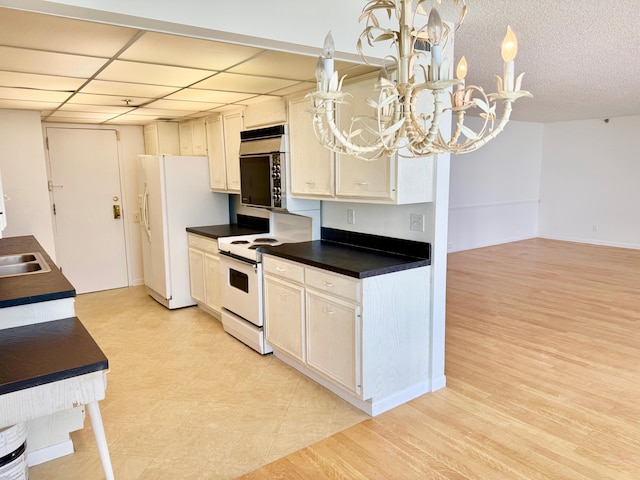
(101, 439)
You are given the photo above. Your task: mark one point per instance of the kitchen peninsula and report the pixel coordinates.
(50, 366)
(351, 311)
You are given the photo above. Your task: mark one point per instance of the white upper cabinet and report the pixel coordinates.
(223, 146)
(161, 138)
(193, 138)
(355, 177)
(318, 173)
(233, 125)
(217, 163)
(312, 164)
(264, 114)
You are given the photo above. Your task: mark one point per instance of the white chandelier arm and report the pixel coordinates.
(388, 115)
(339, 143)
(472, 145)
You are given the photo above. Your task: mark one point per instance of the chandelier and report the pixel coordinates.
(396, 123)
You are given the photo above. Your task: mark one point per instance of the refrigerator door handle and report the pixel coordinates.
(145, 212)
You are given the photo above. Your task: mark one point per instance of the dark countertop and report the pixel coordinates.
(349, 260)
(47, 352)
(33, 288)
(230, 230)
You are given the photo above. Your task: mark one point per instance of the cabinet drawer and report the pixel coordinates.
(333, 283)
(204, 243)
(283, 268)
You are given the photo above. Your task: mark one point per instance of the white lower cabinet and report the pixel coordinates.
(334, 340)
(367, 339)
(204, 277)
(285, 328)
(196, 274)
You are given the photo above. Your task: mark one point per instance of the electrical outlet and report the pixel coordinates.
(351, 216)
(594, 228)
(416, 221)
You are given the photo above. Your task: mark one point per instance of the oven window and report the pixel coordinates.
(239, 280)
(255, 180)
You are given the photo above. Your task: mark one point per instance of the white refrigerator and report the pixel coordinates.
(174, 194)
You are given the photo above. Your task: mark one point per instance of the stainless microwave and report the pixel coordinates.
(262, 167)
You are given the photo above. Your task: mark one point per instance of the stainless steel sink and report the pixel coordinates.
(22, 264)
(14, 259)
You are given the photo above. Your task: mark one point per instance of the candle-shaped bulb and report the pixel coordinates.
(461, 71)
(319, 69)
(509, 46)
(329, 47)
(434, 27)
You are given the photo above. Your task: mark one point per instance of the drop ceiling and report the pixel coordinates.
(83, 72)
(578, 59)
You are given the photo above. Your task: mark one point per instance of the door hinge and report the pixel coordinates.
(117, 135)
(54, 208)
(47, 142)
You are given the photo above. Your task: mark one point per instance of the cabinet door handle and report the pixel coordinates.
(283, 296)
(327, 311)
(281, 269)
(328, 284)
(362, 183)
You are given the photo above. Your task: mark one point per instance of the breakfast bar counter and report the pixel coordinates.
(51, 367)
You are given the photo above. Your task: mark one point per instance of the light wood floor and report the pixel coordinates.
(543, 377)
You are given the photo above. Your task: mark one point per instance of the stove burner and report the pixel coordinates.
(266, 240)
(239, 242)
(254, 247)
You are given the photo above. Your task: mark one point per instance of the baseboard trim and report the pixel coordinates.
(49, 453)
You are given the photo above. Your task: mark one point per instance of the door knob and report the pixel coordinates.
(116, 212)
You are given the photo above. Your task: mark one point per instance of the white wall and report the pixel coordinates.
(590, 185)
(24, 177)
(494, 191)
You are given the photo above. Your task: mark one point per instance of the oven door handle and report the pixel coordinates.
(238, 258)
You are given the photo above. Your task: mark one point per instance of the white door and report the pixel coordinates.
(88, 216)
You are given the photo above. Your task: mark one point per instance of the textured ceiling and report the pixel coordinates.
(579, 58)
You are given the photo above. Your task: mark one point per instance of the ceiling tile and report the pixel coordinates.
(112, 100)
(148, 73)
(297, 88)
(187, 52)
(136, 119)
(42, 82)
(33, 95)
(162, 112)
(214, 96)
(27, 105)
(48, 63)
(258, 99)
(182, 105)
(127, 90)
(58, 34)
(244, 83)
(279, 65)
(78, 107)
(63, 116)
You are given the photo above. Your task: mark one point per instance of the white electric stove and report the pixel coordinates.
(241, 277)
